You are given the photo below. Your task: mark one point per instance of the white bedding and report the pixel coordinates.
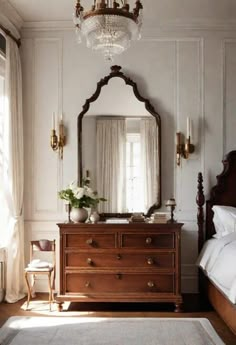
(218, 261)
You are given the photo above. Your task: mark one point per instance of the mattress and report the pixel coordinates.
(217, 259)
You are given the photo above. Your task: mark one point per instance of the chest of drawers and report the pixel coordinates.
(120, 263)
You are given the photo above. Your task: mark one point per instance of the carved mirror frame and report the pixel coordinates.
(116, 73)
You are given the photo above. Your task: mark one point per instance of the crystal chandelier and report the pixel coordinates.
(109, 26)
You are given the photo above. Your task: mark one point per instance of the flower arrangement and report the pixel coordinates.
(79, 197)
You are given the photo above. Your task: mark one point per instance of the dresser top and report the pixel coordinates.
(118, 226)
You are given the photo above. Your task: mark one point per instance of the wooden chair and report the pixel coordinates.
(38, 267)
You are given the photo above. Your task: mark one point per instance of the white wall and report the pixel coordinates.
(185, 70)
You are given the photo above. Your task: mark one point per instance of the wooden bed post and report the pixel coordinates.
(200, 199)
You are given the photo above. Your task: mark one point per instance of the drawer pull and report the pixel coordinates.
(90, 261)
(90, 241)
(150, 261)
(118, 257)
(150, 284)
(148, 240)
(118, 276)
(87, 284)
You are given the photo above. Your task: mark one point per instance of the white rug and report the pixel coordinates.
(107, 331)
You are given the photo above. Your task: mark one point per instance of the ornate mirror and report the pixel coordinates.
(119, 147)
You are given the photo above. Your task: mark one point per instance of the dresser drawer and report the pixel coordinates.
(119, 283)
(140, 260)
(148, 240)
(91, 240)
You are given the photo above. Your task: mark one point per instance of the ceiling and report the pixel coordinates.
(155, 11)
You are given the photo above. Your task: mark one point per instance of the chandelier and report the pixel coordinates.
(109, 26)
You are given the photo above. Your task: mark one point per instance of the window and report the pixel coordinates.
(134, 197)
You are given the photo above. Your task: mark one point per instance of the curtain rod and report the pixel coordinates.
(8, 32)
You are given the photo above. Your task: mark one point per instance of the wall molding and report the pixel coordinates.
(197, 140)
(196, 25)
(225, 42)
(36, 211)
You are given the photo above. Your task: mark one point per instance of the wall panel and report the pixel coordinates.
(47, 99)
(184, 73)
(229, 118)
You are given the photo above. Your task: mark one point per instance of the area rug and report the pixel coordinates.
(107, 331)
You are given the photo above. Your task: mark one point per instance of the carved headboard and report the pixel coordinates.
(223, 193)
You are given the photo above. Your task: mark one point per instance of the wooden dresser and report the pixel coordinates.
(120, 263)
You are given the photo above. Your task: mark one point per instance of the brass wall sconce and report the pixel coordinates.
(58, 141)
(184, 149)
(171, 203)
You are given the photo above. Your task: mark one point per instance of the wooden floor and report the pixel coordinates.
(192, 308)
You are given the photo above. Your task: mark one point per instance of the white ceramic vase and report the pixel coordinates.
(94, 217)
(78, 215)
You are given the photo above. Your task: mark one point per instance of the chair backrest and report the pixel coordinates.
(43, 246)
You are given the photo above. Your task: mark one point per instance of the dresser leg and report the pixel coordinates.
(59, 306)
(178, 307)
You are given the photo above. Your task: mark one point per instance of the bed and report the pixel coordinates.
(217, 247)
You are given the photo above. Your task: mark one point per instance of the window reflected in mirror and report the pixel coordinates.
(134, 199)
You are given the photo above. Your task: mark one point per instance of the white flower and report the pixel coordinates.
(89, 192)
(79, 192)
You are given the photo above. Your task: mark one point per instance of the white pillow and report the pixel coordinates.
(224, 220)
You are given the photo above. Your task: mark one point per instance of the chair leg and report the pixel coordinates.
(53, 285)
(33, 294)
(50, 290)
(29, 290)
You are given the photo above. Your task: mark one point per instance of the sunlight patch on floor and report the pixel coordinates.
(41, 307)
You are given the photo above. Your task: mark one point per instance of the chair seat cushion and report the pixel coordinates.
(34, 269)
(38, 265)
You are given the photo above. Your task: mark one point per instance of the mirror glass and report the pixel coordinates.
(120, 151)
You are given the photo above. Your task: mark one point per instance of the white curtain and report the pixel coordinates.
(111, 136)
(149, 161)
(13, 173)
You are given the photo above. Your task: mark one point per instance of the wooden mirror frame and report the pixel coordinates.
(116, 73)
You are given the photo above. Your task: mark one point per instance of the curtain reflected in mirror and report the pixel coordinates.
(111, 157)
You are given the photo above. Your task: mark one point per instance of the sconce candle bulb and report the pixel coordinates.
(184, 149)
(57, 142)
(53, 121)
(188, 127)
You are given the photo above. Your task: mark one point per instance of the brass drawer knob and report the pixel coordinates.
(118, 257)
(90, 261)
(150, 284)
(87, 284)
(150, 261)
(119, 276)
(148, 240)
(90, 241)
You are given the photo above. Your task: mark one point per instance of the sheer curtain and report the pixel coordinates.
(111, 136)
(149, 161)
(13, 173)
(3, 208)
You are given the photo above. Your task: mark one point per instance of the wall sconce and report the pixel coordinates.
(58, 141)
(171, 203)
(184, 149)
